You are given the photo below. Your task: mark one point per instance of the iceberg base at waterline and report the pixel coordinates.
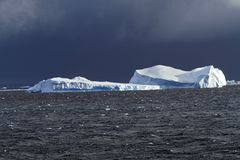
(80, 84)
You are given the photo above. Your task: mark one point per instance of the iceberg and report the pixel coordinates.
(233, 82)
(81, 84)
(168, 77)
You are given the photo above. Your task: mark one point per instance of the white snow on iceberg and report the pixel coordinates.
(168, 77)
(80, 84)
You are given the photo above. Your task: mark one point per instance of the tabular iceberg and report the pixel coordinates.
(168, 77)
(80, 84)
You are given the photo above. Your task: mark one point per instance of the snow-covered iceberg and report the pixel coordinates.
(80, 84)
(168, 77)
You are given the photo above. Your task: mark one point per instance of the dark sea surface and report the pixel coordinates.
(169, 124)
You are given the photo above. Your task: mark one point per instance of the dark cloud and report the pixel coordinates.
(165, 20)
(108, 39)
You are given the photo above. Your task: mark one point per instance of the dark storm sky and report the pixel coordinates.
(109, 39)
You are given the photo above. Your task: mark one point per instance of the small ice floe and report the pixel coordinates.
(2, 98)
(153, 135)
(140, 107)
(11, 125)
(59, 128)
(126, 114)
(49, 105)
(172, 151)
(49, 128)
(103, 115)
(150, 143)
(217, 115)
(107, 108)
(117, 126)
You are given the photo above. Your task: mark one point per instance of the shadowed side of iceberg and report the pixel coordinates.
(165, 84)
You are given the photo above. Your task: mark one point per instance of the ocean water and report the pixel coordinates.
(168, 124)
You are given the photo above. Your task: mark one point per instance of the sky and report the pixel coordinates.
(109, 39)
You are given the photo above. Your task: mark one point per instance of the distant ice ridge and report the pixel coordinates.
(80, 84)
(233, 82)
(168, 77)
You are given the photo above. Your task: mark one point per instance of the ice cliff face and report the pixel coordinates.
(168, 77)
(80, 84)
